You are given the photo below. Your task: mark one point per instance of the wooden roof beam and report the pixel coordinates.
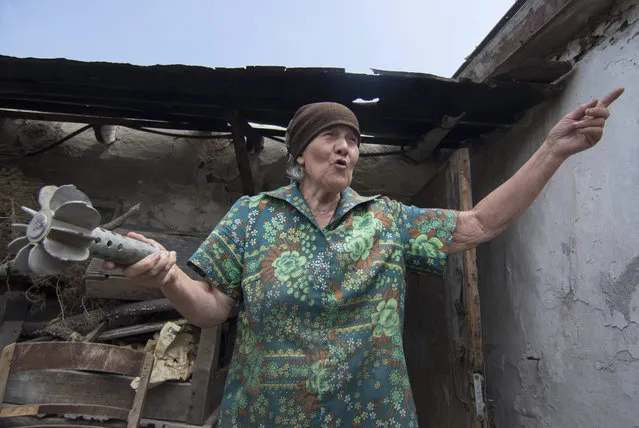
(99, 120)
(238, 130)
(429, 141)
(533, 31)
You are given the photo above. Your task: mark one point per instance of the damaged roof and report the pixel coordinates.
(407, 105)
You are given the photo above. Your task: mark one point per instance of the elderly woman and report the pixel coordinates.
(319, 273)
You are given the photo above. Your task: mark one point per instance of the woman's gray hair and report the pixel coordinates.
(294, 170)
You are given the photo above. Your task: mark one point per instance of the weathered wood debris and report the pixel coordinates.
(93, 306)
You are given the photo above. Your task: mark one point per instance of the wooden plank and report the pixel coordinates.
(463, 301)
(240, 90)
(63, 87)
(241, 153)
(429, 343)
(118, 316)
(55, 422)
(5, 368)
(106, 120)
(14, 313)
(140, 123)
(61, 409)
(385, 139)
(409, 123)
(451, 188)
(180, 121)
(387, 119)
(536, 70)
(77, 356)
(168, 401)
(134, 330)
(140, 394)
(461, 163)
(15, 411)
(534, 30)
(204, 380)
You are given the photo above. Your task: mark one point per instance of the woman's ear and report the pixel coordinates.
(300, 160)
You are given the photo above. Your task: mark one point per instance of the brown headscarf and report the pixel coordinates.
(311, 119)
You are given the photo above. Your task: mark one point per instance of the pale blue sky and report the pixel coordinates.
(430, 36)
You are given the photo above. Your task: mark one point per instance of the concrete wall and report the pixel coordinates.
(559, 289)
(184, 184)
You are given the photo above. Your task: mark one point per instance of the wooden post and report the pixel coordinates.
(204, 382)
(451, 188)
(241, 153)
(463, 295)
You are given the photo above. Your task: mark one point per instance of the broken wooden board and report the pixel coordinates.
(449, 188)
(238, 123)
(206, 386)
(135, 413)
(112, 284)
(75, 356)
(89, 357)
(61, 409)
(169, 401)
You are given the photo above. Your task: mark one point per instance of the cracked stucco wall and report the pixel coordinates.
(184, 184)
(560, 288)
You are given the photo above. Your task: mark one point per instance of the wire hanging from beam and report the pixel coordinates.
(59, 142)
(171, 134)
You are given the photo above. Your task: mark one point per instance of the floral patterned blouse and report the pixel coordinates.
(321, 310)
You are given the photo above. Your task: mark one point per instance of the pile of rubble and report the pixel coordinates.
(60, 308)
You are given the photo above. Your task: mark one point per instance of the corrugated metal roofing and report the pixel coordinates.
(200, 98)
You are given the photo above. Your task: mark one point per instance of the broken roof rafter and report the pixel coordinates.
(519, 45)
(199, 98)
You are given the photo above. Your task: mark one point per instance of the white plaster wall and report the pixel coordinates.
(560, 288)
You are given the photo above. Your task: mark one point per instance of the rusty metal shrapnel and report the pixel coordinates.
(66, 231)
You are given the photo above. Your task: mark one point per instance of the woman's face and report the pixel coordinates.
(329, 159)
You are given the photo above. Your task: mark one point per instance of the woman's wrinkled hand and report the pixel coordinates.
(582, 128)
(153, 271)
